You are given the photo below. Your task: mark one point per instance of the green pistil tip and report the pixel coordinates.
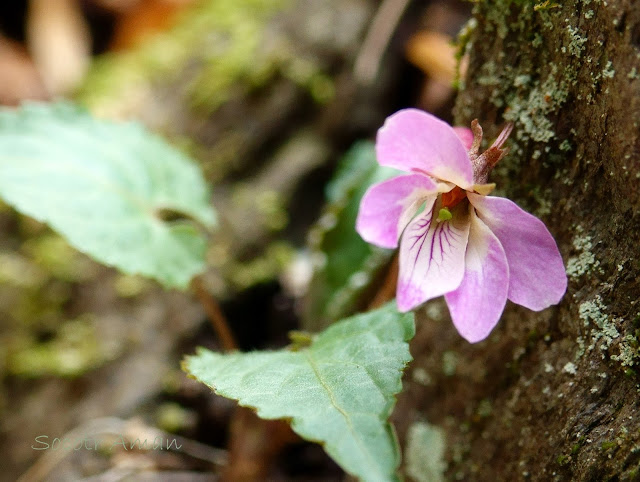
(444, 214)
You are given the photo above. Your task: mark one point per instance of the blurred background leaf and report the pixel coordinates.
(111, 189)
(345, 265)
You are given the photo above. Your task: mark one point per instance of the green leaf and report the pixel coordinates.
(349, 263)
(339, 391)
(107, 188)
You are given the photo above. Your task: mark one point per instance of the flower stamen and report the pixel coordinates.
(485, 162)
(444, 214)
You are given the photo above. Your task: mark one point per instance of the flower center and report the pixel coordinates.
(453, 197)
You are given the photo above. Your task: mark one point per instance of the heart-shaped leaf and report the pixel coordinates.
(109, 188)
(338, 391)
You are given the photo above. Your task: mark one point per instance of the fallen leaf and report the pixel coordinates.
(59, 40)
(434, 54)
(146, 18)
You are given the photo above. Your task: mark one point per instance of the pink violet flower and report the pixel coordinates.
(455, 240)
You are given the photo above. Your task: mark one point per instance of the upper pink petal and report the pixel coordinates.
(412, 139)
(478, 302)
(465, 135)
(388, 206)
(431, 257)
(536, 270)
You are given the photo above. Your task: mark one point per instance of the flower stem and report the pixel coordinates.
(387, 290)
(215, 315)
(377, 39)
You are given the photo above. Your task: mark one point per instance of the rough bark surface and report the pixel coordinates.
(550, 395)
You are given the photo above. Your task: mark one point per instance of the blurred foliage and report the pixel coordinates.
(39, 270)
(38, 276)
(344, 263)
(222, 43)
(74, 349)
(261, 269)
(113, 190)
(172, 417)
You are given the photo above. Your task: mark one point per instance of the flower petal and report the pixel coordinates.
(431, 257)
(537, 277)
(465, 135)
(388, 206)
(478, 302)
(415, 140)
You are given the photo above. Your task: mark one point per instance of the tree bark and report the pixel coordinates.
(550, 395)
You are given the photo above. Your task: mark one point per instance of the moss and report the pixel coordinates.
(220, 42)
(172, 417)
(19, 271)
(578, 445)
(38, 279)
(268, 204)
(74, 350)
(631, 474)
(449, 363)
(129, 286)
(425, 452)
(53, 254)
(421, 376)
(542, 197)
(299, 340)
(260, 269)
(545, 5)
(463, 44)
(484, 409)
(306, 74)
(532, 338)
